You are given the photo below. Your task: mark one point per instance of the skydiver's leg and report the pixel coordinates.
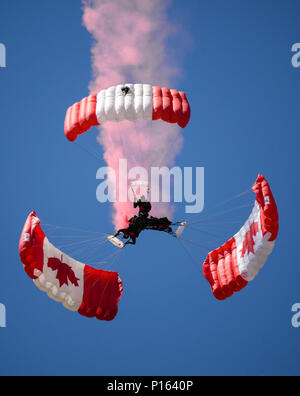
(170, 231)
(122, 231)
(131, 242)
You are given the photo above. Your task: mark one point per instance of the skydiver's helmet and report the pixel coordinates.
(143, 198)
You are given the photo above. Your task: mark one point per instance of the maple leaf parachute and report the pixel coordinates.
(96, 293)
(127, 102)
(230, 267)
(89, 291)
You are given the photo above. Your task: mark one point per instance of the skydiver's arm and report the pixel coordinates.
(137, 203)
(122, 231)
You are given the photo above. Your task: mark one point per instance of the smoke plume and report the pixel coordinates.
(130, 47)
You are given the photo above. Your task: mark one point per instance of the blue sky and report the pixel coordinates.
(244, 94)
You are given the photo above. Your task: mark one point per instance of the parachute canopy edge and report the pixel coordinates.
(230, 267)
(138, 101)
(89, 291)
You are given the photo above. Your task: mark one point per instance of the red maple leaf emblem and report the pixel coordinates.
(248, 242)
(64, 272)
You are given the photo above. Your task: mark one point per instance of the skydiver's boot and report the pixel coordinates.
(130, 242)
(170, 231)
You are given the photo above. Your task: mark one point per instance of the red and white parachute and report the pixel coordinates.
(229, 268)
(91, 292)
(96, 293)
(127, 102)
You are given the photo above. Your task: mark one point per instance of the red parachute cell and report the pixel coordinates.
(229, 268)
(127, 102)
(91, 292)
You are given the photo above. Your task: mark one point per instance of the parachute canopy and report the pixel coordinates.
(89, 291)
(127, 102)
(230, 267)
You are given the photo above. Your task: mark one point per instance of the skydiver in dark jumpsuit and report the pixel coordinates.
(142, 222)
(136, 225)
(144, 206)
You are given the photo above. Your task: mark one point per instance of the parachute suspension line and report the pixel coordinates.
(98, 246)
(220, 213)
(207, 232)
(73, 237)
(201, 246)
(78, 253)
(78, 243)
(120, 138)
(122, 262)
(204, 232)
(75, 243)
(194, 261)
(249, 190)
(89, 152)
(138, 139)
(93, 251)
(123, 147)
(89, 260)
(78, 246)
(134, 195)
(107, 259)
(73, 229)
(224, 220)
(69, 238)
(163, 152)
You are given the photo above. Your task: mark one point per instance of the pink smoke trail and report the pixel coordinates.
(130, 47)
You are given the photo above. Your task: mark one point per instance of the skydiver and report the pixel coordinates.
(125, 90)
(143, 205)
(136, 225)
(160, 224)
(130, 235)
